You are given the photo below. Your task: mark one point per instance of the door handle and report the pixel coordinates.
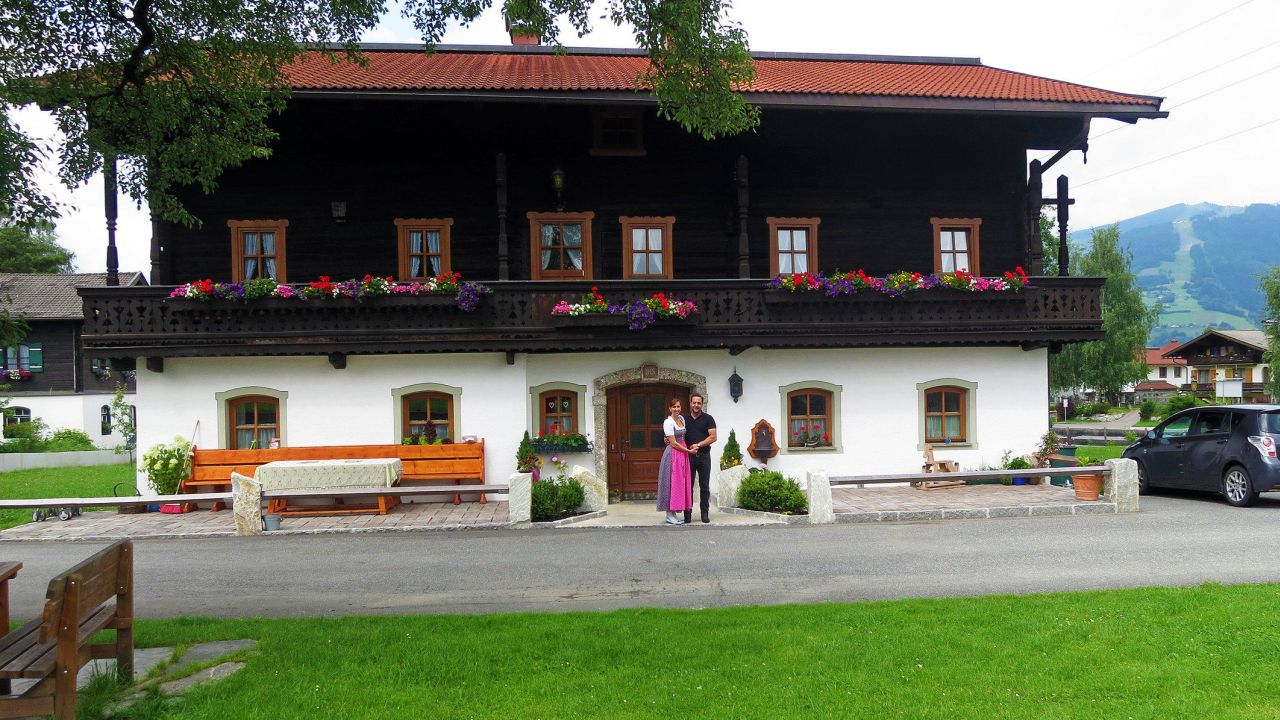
(1222, 442)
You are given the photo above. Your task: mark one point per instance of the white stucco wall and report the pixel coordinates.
(879, 401)
(71, 410)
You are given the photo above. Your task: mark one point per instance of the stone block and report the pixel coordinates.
(520, 498)
(818, 490)
(1121, 485)
(730, 480)
(596, 491)
(246, 504)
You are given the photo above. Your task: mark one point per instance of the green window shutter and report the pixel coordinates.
(36, 356)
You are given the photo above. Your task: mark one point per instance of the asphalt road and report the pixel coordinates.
(1178, 539)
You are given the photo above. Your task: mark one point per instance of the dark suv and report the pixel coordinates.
(1230, 449)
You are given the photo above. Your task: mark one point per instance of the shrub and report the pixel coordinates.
(1130, 437)
(166, 465)
(69, 440)
(1181, 402)
(1017, 463)
(1147, 409)
(555, 498)
(732, 455)
(526, 457)
(769, 491)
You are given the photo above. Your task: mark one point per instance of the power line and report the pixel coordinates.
(1180, 152)
(1215, 67)
(1167, 39)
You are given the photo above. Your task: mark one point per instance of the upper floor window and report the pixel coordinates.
(26, 356)
(646, 247)
(946, 415)
(617, 131)
(955, 244)
(560, 245)
(808, 417)
(255, 422)
(429, 414)
(257, 249)
(558, 412)
(1164, 372)
(793, 245)
(424, 247)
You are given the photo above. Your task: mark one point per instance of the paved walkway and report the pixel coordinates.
(973, 502)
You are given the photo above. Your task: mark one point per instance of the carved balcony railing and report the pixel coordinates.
(516, 317)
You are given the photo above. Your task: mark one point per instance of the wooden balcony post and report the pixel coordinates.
(744, 257)
(504, 268)
(109, 205)
(1064, 211)
(1035, 200)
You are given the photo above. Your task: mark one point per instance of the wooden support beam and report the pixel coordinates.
(155, 364)
(338, 360)
(744, 254)
(511, 357)
(109, 204)
(500, 181)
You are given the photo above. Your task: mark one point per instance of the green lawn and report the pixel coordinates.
(1151, 653)
(1096, 454)
(95, 481)
(1148, 423)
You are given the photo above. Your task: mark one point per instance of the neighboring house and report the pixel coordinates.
(1218, 355)
(1165, 375)
(48, 374)
(543, 175)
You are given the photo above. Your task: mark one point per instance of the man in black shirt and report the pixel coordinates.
(699, 434)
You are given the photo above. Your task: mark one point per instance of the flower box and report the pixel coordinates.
(543, 447)
(815, 297)
(599, 320)
(276, 303)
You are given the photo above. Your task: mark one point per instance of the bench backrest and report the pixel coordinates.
(455, 461)
(78, 593)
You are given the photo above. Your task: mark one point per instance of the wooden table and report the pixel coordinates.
(348, 476)
(8, 570)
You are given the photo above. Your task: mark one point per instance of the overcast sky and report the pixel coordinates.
(1217, 63)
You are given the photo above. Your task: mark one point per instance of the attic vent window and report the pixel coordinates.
(617, 132)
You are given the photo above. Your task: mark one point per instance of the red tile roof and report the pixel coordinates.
(514, 70)
(1153, 385)
(1154, 354)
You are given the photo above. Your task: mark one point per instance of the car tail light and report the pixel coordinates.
(1265, 444)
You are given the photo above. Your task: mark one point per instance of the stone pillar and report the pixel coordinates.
(729, 481)
(246, 504)
(1121, 486)
(596, 492)
(821, 511)
(520, 498)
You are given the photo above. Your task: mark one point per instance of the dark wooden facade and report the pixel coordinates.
(65, 367)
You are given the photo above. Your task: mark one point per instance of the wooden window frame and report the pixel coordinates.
(828, 419)
(973, 226)
(536, 221)
(406, 225)
(963, 414)
(406, 426)
(573, 414)
(104, 420)
(666, 225)
(598, 147)
(239, 227)
(799, 223)
(232, 427)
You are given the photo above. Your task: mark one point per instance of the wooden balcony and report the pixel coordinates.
(516, 317)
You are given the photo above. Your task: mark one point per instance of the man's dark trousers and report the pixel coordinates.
(700, 473)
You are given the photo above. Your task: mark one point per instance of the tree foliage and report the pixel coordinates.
(1109, 364)
(180, 90)
(1269, 283)
(33, 249)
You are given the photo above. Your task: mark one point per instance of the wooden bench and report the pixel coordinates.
(456, 463)
(95, 595)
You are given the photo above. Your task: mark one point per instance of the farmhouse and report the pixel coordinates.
(548, 177)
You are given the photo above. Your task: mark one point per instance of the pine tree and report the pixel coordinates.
(732, 455)
(526, 457)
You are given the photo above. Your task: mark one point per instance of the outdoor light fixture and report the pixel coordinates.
(338, 209)
(557, 184)
(735, 385)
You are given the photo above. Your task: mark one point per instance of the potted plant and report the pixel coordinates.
(811, 437)
(732, 455)
(527, 460)
(1087, 487)
(1018, 463)
(166, 465)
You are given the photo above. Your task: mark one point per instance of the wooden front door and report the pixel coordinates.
(636, 444)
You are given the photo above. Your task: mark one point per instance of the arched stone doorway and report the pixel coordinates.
(611, 384)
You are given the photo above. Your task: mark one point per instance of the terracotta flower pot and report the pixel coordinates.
(1087, 487)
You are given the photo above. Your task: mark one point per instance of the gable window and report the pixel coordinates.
(257, 249)
(646, 247)
(26, 356)
(945, 415)
(955, 244)
(793, 245)
(105, 423)
(558, 412)
(617, 131)
(424, 247)
(429, 414)
(808, 418)
(560, 246)
(255, 422)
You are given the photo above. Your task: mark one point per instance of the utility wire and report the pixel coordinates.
(1215, 67)
(1180, 152)
(1167, 39)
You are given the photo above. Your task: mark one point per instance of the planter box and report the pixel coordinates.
(275, 303)
(810, 297)
(599, 320)
(545, 448)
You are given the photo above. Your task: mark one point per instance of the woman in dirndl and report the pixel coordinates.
(675, 493)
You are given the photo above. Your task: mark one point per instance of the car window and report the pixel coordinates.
(1236, 419)
(1209, 422)
(1270, 422)
(1178, 427)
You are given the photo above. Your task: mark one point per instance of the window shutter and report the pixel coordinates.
(36, 355)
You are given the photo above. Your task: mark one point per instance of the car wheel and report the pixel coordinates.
(1143, 486)
(1237, 488)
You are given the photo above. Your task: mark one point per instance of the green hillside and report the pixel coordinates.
(1201, 263)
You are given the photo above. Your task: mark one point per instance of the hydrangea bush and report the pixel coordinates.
(167, 464)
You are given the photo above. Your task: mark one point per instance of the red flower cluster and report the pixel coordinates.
(662, 299)
(324, 284)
